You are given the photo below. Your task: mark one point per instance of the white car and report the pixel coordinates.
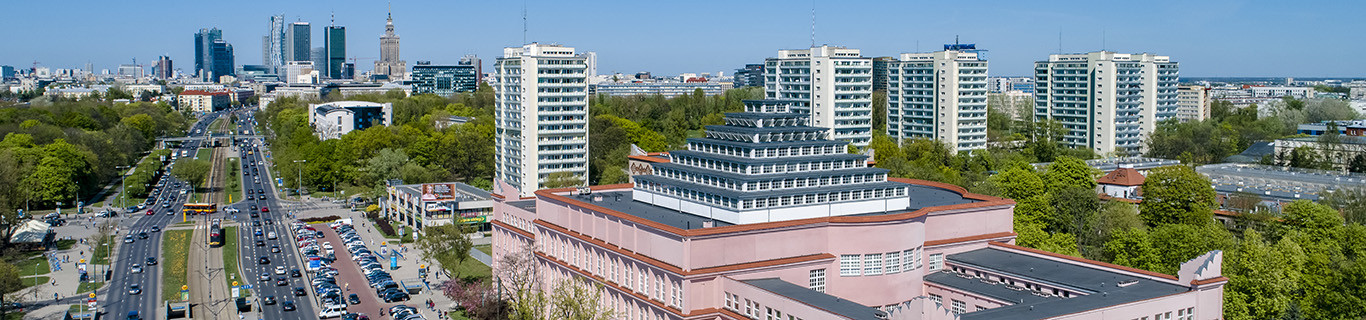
(280, 270)
(271, 235)
(332, 312)
(137, 268)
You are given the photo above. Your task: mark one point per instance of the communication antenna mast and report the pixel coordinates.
(524, 22)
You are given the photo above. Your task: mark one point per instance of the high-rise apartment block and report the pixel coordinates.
(1192, 103)
(389, 65)
(751, 76)
(478, 64)
(541, 111)
(880, 76)
(213, 56)
(299, 42)
(334, 51)
(1107, 101)
(838, 83)
(939, 95)
(765, 217)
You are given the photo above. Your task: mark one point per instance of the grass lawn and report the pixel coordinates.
(65, 244)
(487, 249)
(33, 281)
(101, 254)
(230, 256)
(232, 180)
(204, 154)
(37, 264)
(175, 252)
(473, 269)
(457, 315)
(88, 287)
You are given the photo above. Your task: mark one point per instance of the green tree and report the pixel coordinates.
(1033, 236)
(562, 179)
(192, 171)
(1068, 172)
(448, 245)
(1316, 219)
(880, 111)
(1019, 183)
(579, 299)
(1113, 217)
(1351, 201)
(9, 284)
(1262, 278)
(1177, 194)
(1076, 211)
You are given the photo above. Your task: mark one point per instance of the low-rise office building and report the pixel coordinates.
(766, 217)
(430, 204)
(334, 119)
(666, 89)
(203, 101)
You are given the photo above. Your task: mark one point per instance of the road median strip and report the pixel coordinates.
(176, 254)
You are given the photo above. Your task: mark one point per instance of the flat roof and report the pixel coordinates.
(819, 300)
(1099, 285)
(528, 205)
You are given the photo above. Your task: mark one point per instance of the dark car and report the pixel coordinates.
(151, 261)
(299, 291)
(353, 299)
(265, 209)
(133, 315)
(395, 295)
(264, 260)
(156, 229)
(260, 243)
(134, 289)
(281, 281)
(295, 273)
(253, 207)
(269, 300)
(260, 190)
(261, 197)
(288, 305)
(142, 235)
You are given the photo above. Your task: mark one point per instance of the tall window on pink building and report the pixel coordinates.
(872, 264)
(850, 265)
(893, 262)
(817, 281)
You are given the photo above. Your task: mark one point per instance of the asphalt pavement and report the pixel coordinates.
(250, 253)
(118, 300)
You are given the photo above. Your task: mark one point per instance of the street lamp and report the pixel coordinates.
(300, 187)
(123, 190)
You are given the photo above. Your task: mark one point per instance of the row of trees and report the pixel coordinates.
(54, 152)
(1230, 130)
(417, 148)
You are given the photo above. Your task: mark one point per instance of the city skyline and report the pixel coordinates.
(1223, 38)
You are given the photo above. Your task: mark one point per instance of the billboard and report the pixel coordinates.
(438, 191)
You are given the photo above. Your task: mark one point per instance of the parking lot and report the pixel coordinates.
(357, 267)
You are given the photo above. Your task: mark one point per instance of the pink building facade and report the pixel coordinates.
(946, 254)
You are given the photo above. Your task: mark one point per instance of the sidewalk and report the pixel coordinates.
(63, 283)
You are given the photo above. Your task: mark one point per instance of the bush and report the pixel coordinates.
(384, 227)
(319, 219)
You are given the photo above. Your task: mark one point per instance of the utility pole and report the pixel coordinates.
(300, 187)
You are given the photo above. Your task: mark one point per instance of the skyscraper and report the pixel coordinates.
(334, 51)
(541, 111)
(389, 64)
(273, 44)
(213, 56)
(939, 95)
(319, 56)
(838, 83)
(163, 68)
(298, 42)
(1107, 101)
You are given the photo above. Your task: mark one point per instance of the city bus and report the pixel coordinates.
(215, 234)
(200, 208)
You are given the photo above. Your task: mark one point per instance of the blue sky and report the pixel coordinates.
(1209, 38)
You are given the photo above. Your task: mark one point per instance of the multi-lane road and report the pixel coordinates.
(119, 299)
(256, 177)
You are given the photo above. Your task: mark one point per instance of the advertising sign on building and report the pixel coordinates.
(438, 191)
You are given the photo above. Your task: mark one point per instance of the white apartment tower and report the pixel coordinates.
(1109, 102)
(837, 84)
(939, 95)
(542, 115)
